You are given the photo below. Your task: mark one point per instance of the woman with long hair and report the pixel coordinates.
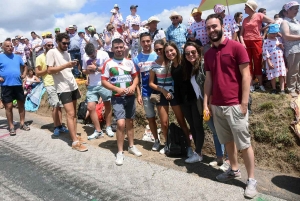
(161, 69)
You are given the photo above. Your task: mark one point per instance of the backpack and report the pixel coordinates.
(176, 141)
(100, 110)
(81, 111)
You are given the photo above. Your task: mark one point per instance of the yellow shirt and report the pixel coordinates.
(47, 79)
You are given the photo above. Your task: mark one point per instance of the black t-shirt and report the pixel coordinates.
(183, 89)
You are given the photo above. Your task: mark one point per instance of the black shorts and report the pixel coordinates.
(68, 97)
(10, 93)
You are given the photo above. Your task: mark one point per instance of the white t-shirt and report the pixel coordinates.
(94, 41)
(102, 57)
(200, 30)
(64, 80)
(160, 35)
(132, 18)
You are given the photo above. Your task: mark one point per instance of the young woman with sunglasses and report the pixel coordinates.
(162, 71)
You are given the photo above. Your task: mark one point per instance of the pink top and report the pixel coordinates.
(252, 27)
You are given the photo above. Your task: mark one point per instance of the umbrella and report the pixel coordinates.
(209, 4)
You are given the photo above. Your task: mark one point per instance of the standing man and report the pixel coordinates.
(19, 50)
(59, 64)
(119, 75)
(228, 82)
(41, 70)
(133, 17)
(143, 63)
(12, 71)
(93, 61)
(154, 32)
(36, 47)
(74, 50)
(230, 26)
(176, 32)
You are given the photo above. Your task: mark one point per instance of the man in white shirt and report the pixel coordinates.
(59, 64)
(93, 61)
(37, 47)
(19, 50)
(154, 32)
(198, 27)
(133, 17)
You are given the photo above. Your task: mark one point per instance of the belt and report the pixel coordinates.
(76, 50)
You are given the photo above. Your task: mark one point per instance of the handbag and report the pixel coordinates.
(155, 98)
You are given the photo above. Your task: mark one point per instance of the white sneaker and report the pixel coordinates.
(225, 166)
(133, 150)
(252, 89)
(194, 158)
(109, 131)
(190, 152)
(163, 150)
(156, 145)
(262, 88)
(120, 158)
(95, 135)
(215, 163)
(250, 191)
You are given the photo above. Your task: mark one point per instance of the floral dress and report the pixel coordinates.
(275, 54)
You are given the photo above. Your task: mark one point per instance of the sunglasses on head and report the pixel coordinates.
(158, 49)
(50, 45)
(173, 18)
(193, 52)
(65, 43)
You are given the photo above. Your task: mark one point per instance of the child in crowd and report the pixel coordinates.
(273, 55)
(30, 81)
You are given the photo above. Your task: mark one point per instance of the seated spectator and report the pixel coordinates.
(30, 81)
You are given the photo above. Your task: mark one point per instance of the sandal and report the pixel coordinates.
(12, 132)
(24, 127)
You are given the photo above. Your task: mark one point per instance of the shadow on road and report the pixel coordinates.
(289, 183)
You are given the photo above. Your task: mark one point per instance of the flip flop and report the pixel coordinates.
(24, 127)
(12, 132)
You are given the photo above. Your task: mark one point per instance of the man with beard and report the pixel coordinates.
(41, 70)
(59, 64)
(143, 63)
(227, 67)
(119, 75)
(12, 70)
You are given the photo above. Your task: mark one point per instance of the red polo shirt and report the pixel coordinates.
(223, 63)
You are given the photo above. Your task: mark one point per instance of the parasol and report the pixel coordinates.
(209, 4)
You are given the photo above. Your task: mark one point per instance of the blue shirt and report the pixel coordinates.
(10, 69)
(143, 63)
(74, 42)
(177, 35)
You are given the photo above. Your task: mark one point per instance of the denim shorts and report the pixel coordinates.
(123, 107)
(95, 92)
(148, 107)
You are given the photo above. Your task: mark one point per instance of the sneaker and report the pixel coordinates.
(190, 152)
(109, 131)
(250, 191)
(262, 88)
(79, 147)
(156, 145)
(216, 163)
(230, 174)
(63, 129)
(274, 91)
(95, 135)
(225, 167)
(81, 140)
(164, 150)
(252, 89)
(133, 150)
(56, 132)
(194, 158)
(282, 92)
(120, 158)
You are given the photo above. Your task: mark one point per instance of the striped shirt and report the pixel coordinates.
(163, 80)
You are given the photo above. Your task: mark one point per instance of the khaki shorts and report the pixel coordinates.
(53, 97)
(231, 125)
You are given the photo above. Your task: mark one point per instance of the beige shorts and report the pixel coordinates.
(231, 125)
(53, 97)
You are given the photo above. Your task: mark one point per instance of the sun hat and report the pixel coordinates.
(48, 33)
(290, 4)
(219, 8)
(273, 28)
(196, 10)
(174, 13)
(153, 18)
(133, 6)
(252, 5)
(44, 34)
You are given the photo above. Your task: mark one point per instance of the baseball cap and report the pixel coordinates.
(290, 4)
(91, 28)
(81, 31)
(219, 8)
(133, 6)
(273, 28)
(44, 34)
(116, 6)
(196, 10)
(48, 33)
(57, 29)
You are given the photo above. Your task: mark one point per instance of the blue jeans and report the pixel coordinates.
(219, 147)
(75, 54)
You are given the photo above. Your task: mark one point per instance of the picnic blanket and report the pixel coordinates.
(33, 99)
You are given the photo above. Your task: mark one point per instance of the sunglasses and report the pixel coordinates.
(174, 18)
(50, 45)
(193, 52)
(158, 49)
(65, 43)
